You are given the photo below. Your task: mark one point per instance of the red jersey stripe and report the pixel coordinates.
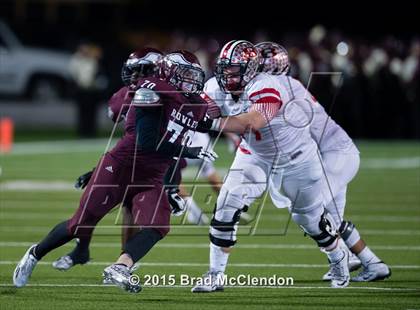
(265, 91)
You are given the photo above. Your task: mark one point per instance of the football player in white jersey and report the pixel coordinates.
(277, 151)
(340, 159)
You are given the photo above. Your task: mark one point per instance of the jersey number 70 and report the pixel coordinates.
(176, 130)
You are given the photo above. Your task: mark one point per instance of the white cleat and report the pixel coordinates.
(373, 272)
(121, 276)
(63, 263)
(340, 274)
(108, 281)
(210, 282)
(24, 268)
(354, 264)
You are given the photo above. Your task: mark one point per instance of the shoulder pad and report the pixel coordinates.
(145, 95)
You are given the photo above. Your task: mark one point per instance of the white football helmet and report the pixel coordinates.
(274, 58)
(236, 65)
(183, 70)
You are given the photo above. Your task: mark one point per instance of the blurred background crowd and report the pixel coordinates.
(363, 69)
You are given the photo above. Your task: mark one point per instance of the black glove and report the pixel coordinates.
(83, 180)
(199, 152)
(176, 202)
(205, 125)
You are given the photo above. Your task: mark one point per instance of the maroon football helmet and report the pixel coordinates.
(274, 58)
(182, 70)
(141, 63)
(236, 65)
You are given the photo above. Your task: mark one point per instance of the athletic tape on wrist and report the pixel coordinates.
(215, 126)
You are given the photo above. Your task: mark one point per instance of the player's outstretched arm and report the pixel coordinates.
(261, 112)
(239, 124)
(149, 138)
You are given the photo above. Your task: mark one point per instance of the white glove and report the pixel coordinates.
(201, 153)
(178, 205)
(208, 156)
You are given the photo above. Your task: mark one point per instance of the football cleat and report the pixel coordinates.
(121, 276)
(24, 268)
(373, 272)
(340, 274)
(67, 261)
(63, 263)
(354, 264)
(211, 281)
(108, 281)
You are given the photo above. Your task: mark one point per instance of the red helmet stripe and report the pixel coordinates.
(226, 49)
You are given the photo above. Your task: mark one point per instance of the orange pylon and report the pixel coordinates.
(6, 134)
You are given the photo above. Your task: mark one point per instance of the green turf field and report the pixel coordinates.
(383, 201)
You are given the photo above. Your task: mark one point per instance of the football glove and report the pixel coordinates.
(83, 180)
(207, 124)
(200, 153)
(178, 205)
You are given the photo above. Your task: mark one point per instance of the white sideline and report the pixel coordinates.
(401, 289)
(390, 163)
(238, 265)
(190, 172)
(99, 145)
(13, 244)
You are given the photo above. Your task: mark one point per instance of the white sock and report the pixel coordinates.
(218, 258)
(335, 255)
(367, 257)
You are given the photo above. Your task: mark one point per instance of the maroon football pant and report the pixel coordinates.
(112, 183)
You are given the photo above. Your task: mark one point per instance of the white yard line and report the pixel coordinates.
(42, 213)
(37, 186)
(199, 229)
(401, 289)
(12, 244)
(238, 265)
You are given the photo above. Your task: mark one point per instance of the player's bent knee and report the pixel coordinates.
(232, 197)
(320, 228)
(223, 231)
(163, 231)
(81, 225)
(228, 223)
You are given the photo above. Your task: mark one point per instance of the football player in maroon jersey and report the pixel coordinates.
(163, 117)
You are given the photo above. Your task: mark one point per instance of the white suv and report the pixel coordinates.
(35, 73)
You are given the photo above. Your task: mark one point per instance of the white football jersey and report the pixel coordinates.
(224, 101)
(324, 130)
(287, 133)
